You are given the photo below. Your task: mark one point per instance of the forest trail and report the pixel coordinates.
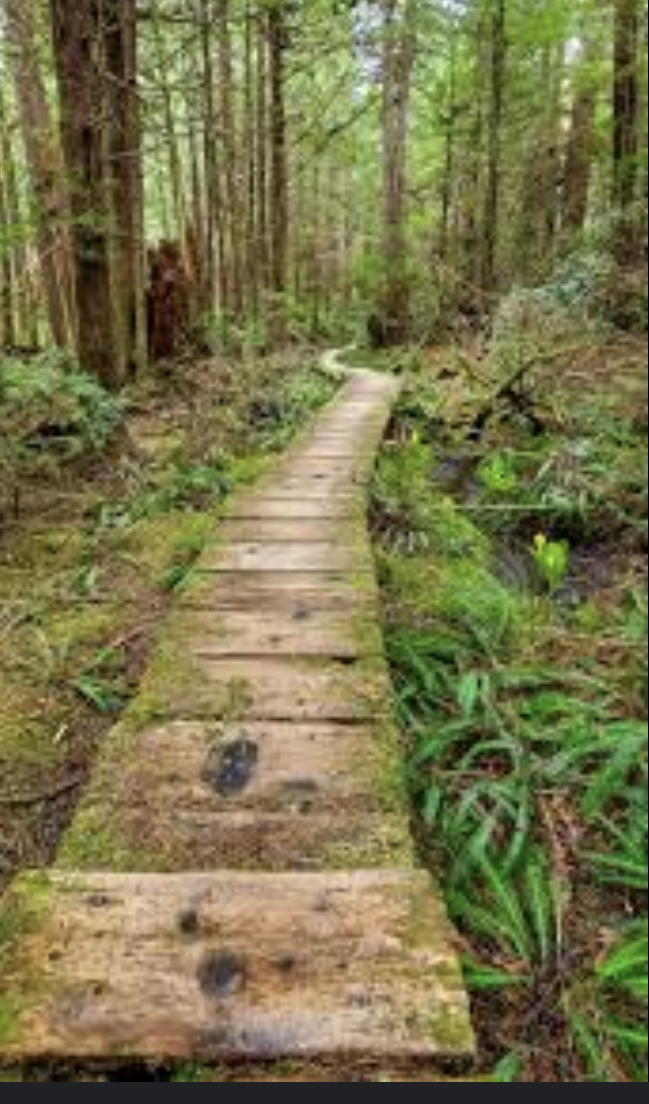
(239, 883)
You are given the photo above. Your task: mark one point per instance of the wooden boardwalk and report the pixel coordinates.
(239, 883)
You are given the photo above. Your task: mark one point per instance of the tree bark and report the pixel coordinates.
(249, 140)
(232, 193)
(446, 191)
(491, 210)
(626, 99)
(278, 184)
(172, 144)
(579, 151)
(536, 230)
(7, 283)
(261, 170)
(124, 175)
(50, 210)
(77, 40)
(398, 62)
(214, 274)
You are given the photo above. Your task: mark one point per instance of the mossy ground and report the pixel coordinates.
(21, 911)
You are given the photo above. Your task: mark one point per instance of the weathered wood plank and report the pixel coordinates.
(293, 506)
(243, 795)
(283, 590)
(150, 837)
(270, 766)
(303, 630)
(178, 684)
(213, 966)
(280, 530)
(278, 556)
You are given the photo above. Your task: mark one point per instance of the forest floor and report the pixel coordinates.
(90, 564)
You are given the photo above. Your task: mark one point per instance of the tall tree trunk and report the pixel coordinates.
(626, 99)
(491, 211)
(446, 197)
(174, 158)
(278, 183)
(7, 282)
(22, 298)
(232, 196)
(553, 80)
(249, 140)
(535, 240)
(214, 273)
(468, 208)
(398, 62)
(262, 151)
(51, 214)
(196, 231)
(579, 150)
(124, 174)
(77, 40)
(197, 228)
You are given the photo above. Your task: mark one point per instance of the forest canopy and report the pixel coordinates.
(240, 172)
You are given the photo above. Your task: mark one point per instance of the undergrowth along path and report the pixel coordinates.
(239, 882)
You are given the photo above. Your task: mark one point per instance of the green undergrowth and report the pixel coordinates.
(523, 696)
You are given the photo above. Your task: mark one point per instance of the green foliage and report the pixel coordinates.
(418, 409)
(529, 774)
(508, 1068)
(552, 559)
(276, 419)
(587, 294)
(492, 744)
(97, 693)
(190, 1071)
(101, 683)
(625, 966)
(578, 278)
(498, 473)
(48, 406)
(185, 552)
(181, 486)
(405, 518)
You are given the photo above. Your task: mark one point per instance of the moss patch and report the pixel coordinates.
(96, 842)
(22, 911)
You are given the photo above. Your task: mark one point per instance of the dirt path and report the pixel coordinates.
(239, 882)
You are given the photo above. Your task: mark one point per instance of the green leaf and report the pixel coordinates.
(625, 966)
(468, 692)
(540, 902)
(97, 693)
(481, 977)
(508, 1069)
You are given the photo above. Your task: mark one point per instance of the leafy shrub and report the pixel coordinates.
(276, 418)
(49, 405)
(588, 292)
